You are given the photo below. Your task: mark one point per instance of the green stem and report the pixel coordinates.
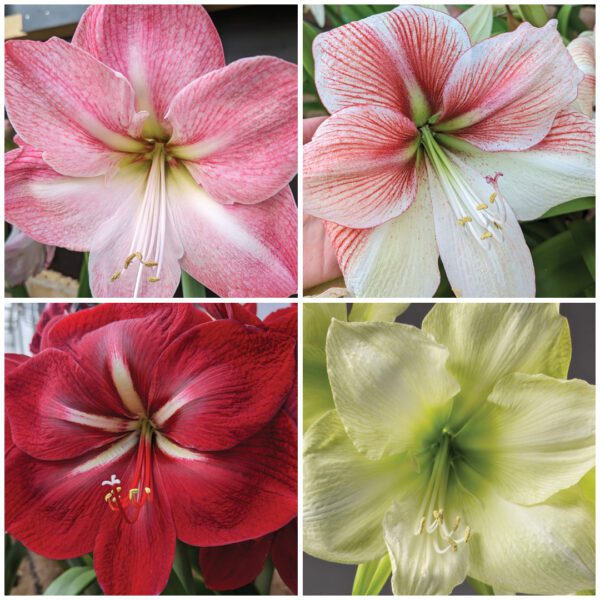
(371, 577)
(263, 581)
(84, 279)
(191, 287)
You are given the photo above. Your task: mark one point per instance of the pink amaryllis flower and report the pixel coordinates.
(583, 51)
(138, 144)
(136, 425)
(437, 146)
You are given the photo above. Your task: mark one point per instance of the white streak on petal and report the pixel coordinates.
(173, 450)
(111, 454)
(114, 424)
(122, 380)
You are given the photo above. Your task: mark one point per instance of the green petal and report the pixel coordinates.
(375, 311)
(536, 434)
(587, 486)
(542, 549)
(487, 341)
(417, 569)
(345, 495)
(389, 384)
(316, 390)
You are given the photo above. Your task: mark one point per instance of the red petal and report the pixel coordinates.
(237, 312)
(220, 383)
(52, 310)
(233, 495)
(70, 410)
(55, 507)
(284, 320)
(285, 554)
(11, 362)
(234, 565)
(136, 558)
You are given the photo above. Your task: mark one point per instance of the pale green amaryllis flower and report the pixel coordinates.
(459, 449)
(316, 321)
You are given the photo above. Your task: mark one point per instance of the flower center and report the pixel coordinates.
(432, 518)
(128, 504)
(482, 215)
(148, 243)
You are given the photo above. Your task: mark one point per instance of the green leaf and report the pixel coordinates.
(72, 582)
(371, 577)
(84, 279)
(174, 586)
(333, 16)
(264, 579)
(191, 287)
(183, 568)
(571, 206)
(478, 21)
(584, 237)
(534, 14)
(499, 26)
(483, 589)
(563, 16)
(381, 8)
(13, 555)
(309, 34)
(17, 291)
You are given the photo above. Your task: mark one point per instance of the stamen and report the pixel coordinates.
(481, 206)
(464, 220)
(486, 235)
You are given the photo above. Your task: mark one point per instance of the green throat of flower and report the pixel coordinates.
(432, 516)
(478, 207)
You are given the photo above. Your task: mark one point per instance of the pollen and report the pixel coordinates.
(482, 206)
(486, 235)
(464, 220)
(153, 279)
(493, 197)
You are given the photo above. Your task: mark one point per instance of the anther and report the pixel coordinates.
(497, 225)
(467, 535)
(464, 220)
(115, 276)
(481, 206)
(129, 260)
(493, 197)
(456, 525)
(147, 490)
(485, 235)
(153, 279)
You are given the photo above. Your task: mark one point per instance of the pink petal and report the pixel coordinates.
(320, 262)
(505, 92)
(70, 408)
(399, 59)
(583, 50)
(159, 49)
(234, 565)
(77, 111)
(230, 381)
(559, 168)
(238, 129)
(396, 259)
(238, 494)
(56, 507)
(480, 268)
(136, 558)
(243, 251)
(359, 168)
(24, 257)
(54, 209)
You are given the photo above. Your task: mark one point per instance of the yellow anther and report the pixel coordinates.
(481, 206)
(147, 490)
(497, 225)
(119, 488)
(132, 492)
(464, 220)
(116, 276)
(456, 525)
(453, 545)
(149, 264)
(129, 259)
(114, 500)
(108, 497)
(139, 256)
(493, 197)
(486, 235)
(440, 515)
(153, 279)
(467, 535)
(421, 526)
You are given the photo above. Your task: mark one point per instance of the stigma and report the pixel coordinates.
(147, 246)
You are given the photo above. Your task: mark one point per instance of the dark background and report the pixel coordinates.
(325, 578)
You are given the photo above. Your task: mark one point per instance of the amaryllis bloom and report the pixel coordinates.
(583, 51)
(24, 257)
(137, 425)
(437, 146)
(138, 144)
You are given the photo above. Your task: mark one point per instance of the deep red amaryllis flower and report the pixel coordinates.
(234, 565)
(139, 424)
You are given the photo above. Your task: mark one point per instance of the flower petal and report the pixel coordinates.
(369, 311)
(417, 569)
(399, 59)
(234, 565)
(65, 496)
(54, 209)
(230, 381)
(76, 110)
(359, 168)
(284, 554)
(70, 408)
(504, 93)
(346, 495)
(543, 549)
(557, 169)
(583, 49)
(388, 381)
(543, 435)
(476, 267)
(159, 49)
(237, 129)
(237, 251)
(319, 263)
(233, 495)
(489, 341)
(136, 558)
(398, 258)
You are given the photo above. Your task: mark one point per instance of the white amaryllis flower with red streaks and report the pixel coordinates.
(436, 146)
(138, 144)
(583, 51)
